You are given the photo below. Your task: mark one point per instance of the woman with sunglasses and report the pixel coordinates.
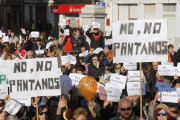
(43, 113)
(162, 112)
(117, 68)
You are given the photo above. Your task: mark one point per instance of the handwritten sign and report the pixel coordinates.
(85, 27)
(134, 75)
(76, 78)
(3, 91)
(66, 84)
(96, 25)
(74, 24)
(97, 50)
(33, 77)
(5, 39)
(162, 86)
(130, 66)
(119, 80)
(169, 95)
(25, 101)
(175, 71)
(23, 30)
(112, 94)
(12, 106)
(39, 52)
(66, 32)
(62, 22)
(164, 70)
(133, 88)
(70, 58)
(167, 63)
(34, 34)
(84, 53)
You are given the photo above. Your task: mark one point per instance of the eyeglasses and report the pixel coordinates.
(124, 109)
(175, 112)
(41, 113)
(163, 114)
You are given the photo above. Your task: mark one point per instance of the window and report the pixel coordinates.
(15, 17)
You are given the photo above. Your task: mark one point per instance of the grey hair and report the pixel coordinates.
(30, 51)
(12, 116)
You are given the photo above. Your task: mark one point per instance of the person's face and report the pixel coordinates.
(61, 53)
(38, 42)
(95, 59)
(9, 32)
(74, 71)
(125, 110)
(83, 49)
(155, 66)
(118, 66)
(174, 112)
(12, 34)
(19, 47)
(81, 117)
(177, 85)
(147, 72)
(106, 70)
(101, 57)
(84, 104)
(33, 101)
(92, 50)
(146, 100)
(162, 115)
(77, 33)
(53, 107)
(96, 30)
(9, 58)
(5, 53)
(3, 114)
(6, 43)
(171, 49)
(2, 28)
(44, 114)
(30, 55)
(80, 72)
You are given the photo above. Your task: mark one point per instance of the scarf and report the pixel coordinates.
(77, 37)
(106, 76)
(94, 64)
(96, 35)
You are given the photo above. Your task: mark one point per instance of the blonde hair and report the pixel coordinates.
(43, 34)
(78, 112)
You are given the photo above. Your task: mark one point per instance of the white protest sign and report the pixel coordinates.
(96, 25)
(26, 101)
(114, 86)
(76, 78)
(167, 63)
(130, 66)
(49, 38)
(66, 32)
(97, 50)
(34, 34)
(118, 80)
(66, 84)
(3, 91)
(23, 30)
(161, 86)
(168, 95)
(49, 44)
(140, 41)
(12, 106)
(164, 70)
(84, 53)
(39, 52)
(3, 34)
(178, 92)
(33, 77)
(112, 94)
(62, 22)
(134, 75)
(5, 39)
(175, 71)
(70, 58)
(133, 88)
(85, 27)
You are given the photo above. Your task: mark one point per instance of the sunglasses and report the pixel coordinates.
(41, 113)
(163, 114)
(124, 109)
(175, 112)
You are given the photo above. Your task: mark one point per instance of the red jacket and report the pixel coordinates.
(68, 46)
(22, 54)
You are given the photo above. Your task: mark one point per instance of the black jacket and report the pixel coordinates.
(48, 27)
(95, 72)
(174, 58)
(94, 43)
(78, 43)
(28, 45)
(35, 47)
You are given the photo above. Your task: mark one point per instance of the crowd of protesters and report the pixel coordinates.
(100, 66)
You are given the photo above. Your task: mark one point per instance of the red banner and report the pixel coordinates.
(107, 22)
(67, 9)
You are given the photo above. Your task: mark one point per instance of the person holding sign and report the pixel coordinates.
(77, 41)
(38, 46)
(97, 39)
(172, 55)
(20, 51)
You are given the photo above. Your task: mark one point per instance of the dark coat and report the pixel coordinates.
(48, 27)
(94, 43)
(28, 45)
(35, 47)
(95, 72)
(78, 43)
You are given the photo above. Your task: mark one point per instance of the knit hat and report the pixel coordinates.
(68, 114)
(6, 50)
(174, 82)
(165, 107)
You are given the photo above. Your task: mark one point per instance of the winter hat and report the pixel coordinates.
(68, 114)
(6, 50)
(165, 107)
